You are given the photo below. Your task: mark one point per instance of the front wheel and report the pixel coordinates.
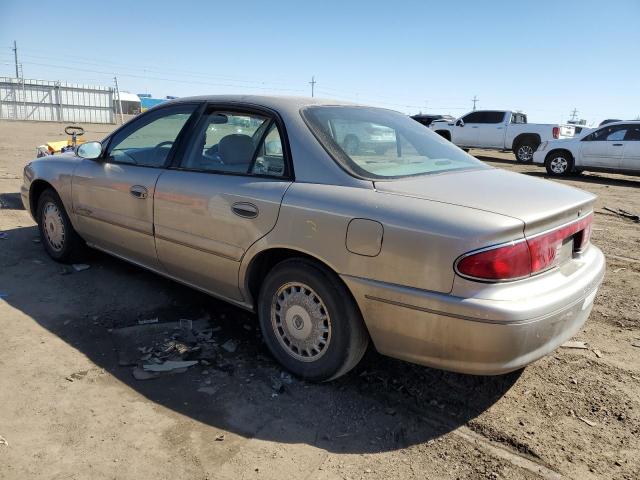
(59, 238)
(309, 320)
(524, 151)
(559, 164)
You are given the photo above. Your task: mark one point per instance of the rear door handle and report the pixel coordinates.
(474, 127)
(139, 191)
(245, 209)
(617, 144)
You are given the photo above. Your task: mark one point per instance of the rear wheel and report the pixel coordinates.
(59, 238)
(310, 322)
(559, 164)
(525, 149)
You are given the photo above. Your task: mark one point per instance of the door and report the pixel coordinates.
(604, 148)
(221, 198)
(465, 133)
(491, 130)
(113, 195)
(631, 155)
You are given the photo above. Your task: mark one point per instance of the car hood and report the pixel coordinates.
(540, 204)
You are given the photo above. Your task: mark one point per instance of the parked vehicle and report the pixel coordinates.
(436, 257)
(612, 148)
(360, 137)
(503, 130)
(427, 120)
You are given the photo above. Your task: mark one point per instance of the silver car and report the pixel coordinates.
(434, 256)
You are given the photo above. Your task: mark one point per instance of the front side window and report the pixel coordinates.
(232, 142)
(149, 141)
(375, 143)
(473, 117)
(608, 134)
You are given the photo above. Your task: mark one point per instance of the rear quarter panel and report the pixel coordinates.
(421, 238)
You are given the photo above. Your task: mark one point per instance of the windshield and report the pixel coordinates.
(375, 143)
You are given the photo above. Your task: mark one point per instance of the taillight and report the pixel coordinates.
(556, 132)
(525, 257)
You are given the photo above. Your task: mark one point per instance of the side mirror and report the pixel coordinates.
(89, 150)
(460, 123)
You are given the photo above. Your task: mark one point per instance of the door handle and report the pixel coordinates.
(139, 191)
(245, 209)
(474, 127)
(617, 144)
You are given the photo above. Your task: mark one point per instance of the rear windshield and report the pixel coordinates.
(375, 143)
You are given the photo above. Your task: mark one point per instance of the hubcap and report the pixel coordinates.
(301, 322)
(525, 153)
(53, 226)
(559, 165)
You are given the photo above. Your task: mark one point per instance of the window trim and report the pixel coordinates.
(132, 125)
(246, 108)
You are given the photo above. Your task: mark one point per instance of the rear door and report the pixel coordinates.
(491, 129)
(113, 195)
(631, 156)
(604, 148)
(223, 195)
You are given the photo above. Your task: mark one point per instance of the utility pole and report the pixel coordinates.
(574, 115)
(475, 99)
(15, 57)
(313, 84)
(115, 79)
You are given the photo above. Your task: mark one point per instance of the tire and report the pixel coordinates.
(351, 144)
(525, 149)
(300, 301)
(58, 236)
(558, 164)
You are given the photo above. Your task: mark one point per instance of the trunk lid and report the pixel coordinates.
(540, 204)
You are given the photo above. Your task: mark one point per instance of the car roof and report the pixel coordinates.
(270, 101)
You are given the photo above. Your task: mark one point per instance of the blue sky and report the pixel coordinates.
(543, 57)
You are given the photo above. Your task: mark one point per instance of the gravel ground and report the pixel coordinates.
(68, 410)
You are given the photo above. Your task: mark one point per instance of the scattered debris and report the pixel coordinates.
(575, 344)
(619, 269)
(65, 270)
(220, 437)
(3, 442)
(35, 240)
(286, 378)
(147, 321)
(208, 390)
(588, 422)
(635, 344)
(4, 235)
(277, 385)
(230, 346)
(598, 353)
(624, 214)
(390, 411)
(79, 267)
(185, 323)
(169, 365)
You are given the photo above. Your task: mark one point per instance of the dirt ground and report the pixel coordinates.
(69, 411)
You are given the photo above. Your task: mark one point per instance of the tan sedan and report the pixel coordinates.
(436, 257)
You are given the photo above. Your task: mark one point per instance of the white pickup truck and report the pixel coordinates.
(501, 129)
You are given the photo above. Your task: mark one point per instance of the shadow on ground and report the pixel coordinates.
(381, 405)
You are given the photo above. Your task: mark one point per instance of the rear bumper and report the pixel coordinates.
(502, 332)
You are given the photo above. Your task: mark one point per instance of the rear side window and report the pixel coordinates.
(633, 133)
(492, 117)
(608, 134)
(234, 142)
(147, 142)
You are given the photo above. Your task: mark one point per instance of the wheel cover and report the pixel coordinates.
(558, 165)
(53, 226)
(300, 322)
(525, 153)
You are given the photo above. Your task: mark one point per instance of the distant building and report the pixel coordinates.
(147, 101)
(130, 103)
